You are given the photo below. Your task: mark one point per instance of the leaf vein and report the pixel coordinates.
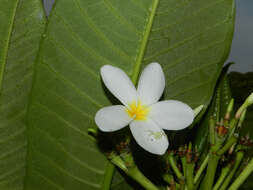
(189, 89)
(70, 104)
(191, 54)
(190, 72)
(47, 179)
(16, 149)
(188, 16)
(121, 19)
(62, 170)
(79, 91)
(100, 34)
(184, 41)
(69, 124)
(10, 137)
(61, 47)
(95, 170)
(83, 44)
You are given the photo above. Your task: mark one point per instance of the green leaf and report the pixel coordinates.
(190, 39)
(21, 26)
(217, 110)
(120, 183)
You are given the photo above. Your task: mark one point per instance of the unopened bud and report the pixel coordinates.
(242, 118)
(229, 109)
(189, 153)
(181, 151)
(231, 149)
(196, 157)
(245, 140)
(190, 147)
(221, 130)
(249, 100)
(247, 103)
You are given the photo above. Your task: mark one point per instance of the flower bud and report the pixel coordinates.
(247, 103)
(242, 118)
(249, 100)
(229, 109)
(221, 130)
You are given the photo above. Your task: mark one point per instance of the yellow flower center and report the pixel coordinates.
(137, 110)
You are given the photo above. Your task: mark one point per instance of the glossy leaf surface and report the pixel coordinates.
(21, 25)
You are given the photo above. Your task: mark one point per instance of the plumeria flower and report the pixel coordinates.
(141, 110)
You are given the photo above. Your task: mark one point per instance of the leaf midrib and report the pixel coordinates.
(144, 42)
(136, 71)
(3, 60)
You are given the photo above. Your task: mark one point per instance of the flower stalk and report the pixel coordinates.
(201, 169)
(126, 163)
(210, 173)
(244, 106)
(243, 176)
(238, 159)
(173, 165)
(223, 175)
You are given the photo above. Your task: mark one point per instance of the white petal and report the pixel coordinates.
(151, 84)
(119, 84)
(112, 118)
(172, 114)
(149, 136)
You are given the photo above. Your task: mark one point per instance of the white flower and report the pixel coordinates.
(141, 110)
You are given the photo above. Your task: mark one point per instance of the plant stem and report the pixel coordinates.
(116, 160)
(136, 174)
(224, 173)
(215, 154)
(229, 143)
(212, 131)
(170, 180)
(174, 167)
(238, 159)
(183, 160)
(210, 174)
(182, 185)
(232, 126)
(201, 169)
(189, 175)
(108, 176)
(243, 176)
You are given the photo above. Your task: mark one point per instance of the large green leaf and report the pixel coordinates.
(21, 26)
(191, 40)
(120, 183)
